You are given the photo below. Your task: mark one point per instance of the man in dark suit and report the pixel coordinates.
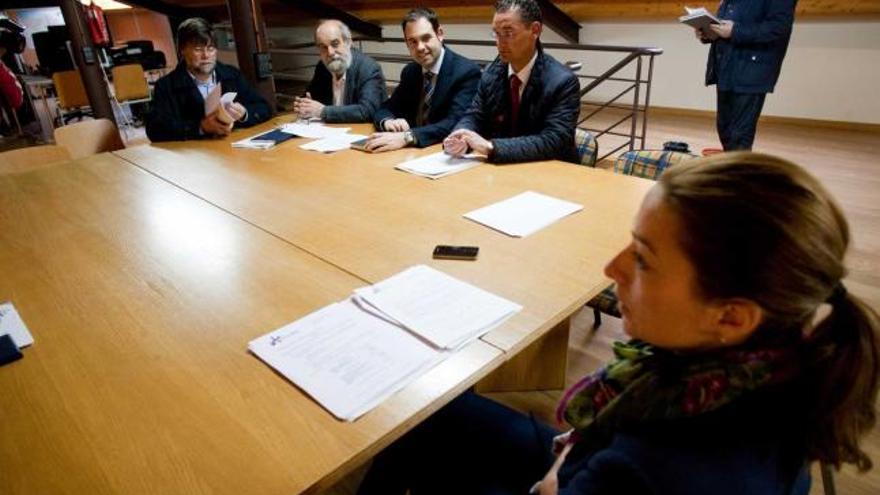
(178, 111)
(348, 86)
(434, 91)
(744, 63)
(527, 103)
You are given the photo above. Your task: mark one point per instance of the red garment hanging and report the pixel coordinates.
(97, 25)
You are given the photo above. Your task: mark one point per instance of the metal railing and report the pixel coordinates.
(633, 100)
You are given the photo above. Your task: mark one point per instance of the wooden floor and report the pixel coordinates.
(845, 161)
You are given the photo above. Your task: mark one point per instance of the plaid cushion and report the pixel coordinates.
(606, 302)
(649, 164)
(587, 147)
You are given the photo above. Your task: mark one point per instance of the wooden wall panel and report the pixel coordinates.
(592, 9)
(139, 24)
(389, 11)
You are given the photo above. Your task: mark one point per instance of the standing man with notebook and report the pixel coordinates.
(434, 92)
(527, 104)
(348, 86)
(744, 63)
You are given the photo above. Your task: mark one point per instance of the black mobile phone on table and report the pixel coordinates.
(444, 252)
(360, 144)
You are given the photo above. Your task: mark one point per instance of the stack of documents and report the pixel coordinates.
(346, 359)
(328, 138)
(313, 130)
(523, 214)
(332, 143)
(352, 355)
(445, 311)
(438, 165)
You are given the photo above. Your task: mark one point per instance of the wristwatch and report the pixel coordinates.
(408, 138)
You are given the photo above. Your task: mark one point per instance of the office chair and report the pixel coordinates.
(587, 147)
(130, 86)
(73, 103)
(89, 137)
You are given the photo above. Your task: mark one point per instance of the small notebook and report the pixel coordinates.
(264, 141)
(698, 18)
(275, 135)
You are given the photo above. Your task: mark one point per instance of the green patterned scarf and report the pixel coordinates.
(646, 383)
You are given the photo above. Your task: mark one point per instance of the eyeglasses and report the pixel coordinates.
(205, 50)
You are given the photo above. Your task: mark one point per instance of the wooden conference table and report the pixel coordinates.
(355, 211)
(142, 299)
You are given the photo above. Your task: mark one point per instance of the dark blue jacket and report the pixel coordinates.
(754, 445)
(178, 107)
(547, 117)
(364, 90)
(750, 61)
(453, 91)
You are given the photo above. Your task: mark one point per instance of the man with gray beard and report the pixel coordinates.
(348, 86)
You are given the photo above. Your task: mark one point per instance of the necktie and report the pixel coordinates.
(515, 84)
(428, 90)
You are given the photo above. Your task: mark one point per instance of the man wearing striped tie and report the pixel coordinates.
(434, 90)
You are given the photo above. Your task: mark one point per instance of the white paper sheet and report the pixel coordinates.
(442, 309)
(222, 114)
(216, 99)
(523, 214)
(11, 324)
(346, 359)
(313, 130)
(438, 165)
(333, 143)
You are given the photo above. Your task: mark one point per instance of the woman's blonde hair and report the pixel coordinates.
(762, 228)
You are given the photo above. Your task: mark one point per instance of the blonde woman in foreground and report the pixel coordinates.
(748, 360)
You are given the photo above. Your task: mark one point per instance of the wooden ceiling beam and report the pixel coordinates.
(324, 10)
(168, 9)
(29, 4)
(653, 10)
(559, 21)
(477, 11)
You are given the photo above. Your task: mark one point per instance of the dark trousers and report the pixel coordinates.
(738, 118)
(472, 446)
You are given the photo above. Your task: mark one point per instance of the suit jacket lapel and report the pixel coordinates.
(506, 110)
(184, 83)
(441, 81)
(350, 78)
(532, 90)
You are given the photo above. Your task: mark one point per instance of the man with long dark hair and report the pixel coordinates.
(179, 100)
